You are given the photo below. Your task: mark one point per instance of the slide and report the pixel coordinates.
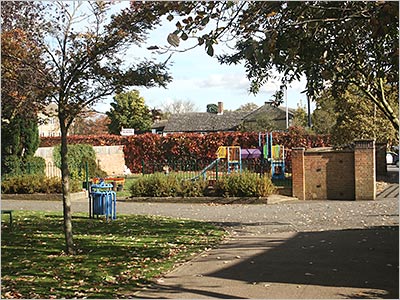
(203, 172)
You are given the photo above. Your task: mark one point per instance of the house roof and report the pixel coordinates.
(204, 122)
(228, 121)
(159, 124)
(271, 110)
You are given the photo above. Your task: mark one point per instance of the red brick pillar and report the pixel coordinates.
(298, 179)
(364, 170)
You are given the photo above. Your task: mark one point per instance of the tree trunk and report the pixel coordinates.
(69, 242)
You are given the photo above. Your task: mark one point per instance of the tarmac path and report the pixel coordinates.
(294, 249)
(291, 216)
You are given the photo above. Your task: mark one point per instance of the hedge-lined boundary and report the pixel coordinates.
(148, 147)
(94, 140)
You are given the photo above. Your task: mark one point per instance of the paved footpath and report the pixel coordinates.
(294, 249)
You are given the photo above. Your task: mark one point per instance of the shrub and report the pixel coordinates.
(191, 188)
(78, 155)
(172, 185)
(11, 165)
(33, 183)
(155, 185)
(35, 165)
(244, 184)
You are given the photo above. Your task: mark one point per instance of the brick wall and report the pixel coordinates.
(324, 173)
(298, 178)
(329, 175)
(364, 165)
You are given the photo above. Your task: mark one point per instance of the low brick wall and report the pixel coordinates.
(329, 175)
(324, 173)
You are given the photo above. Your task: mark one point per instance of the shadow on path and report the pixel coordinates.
(365, 258)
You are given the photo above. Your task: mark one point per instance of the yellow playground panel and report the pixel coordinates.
(230, 153)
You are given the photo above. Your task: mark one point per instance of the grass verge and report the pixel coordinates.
(114, 259)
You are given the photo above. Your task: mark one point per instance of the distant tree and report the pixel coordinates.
(300, 118)
(129, 111)
(212, 108)
(178, 107)
(352, 116)
(156, 114)
(248, 107)
(358, 118)
(90, 123)
(325, 115)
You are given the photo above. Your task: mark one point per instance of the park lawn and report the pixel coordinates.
(114, 259)
(126, 192)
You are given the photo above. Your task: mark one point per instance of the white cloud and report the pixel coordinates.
(229, 81)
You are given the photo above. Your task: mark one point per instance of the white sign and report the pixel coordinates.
(127, 131)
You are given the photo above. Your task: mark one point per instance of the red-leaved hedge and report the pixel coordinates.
(150, 147)
(181, 146)
(94, 140)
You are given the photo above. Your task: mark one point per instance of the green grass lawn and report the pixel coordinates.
(128, 182)
(114, 259)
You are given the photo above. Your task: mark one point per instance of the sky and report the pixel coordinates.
(199, 78)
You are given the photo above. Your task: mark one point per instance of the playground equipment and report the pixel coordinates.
(230, 155)
(233, 157)
(274, 154)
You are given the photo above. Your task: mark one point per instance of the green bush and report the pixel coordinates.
(33, 183)
(35, 165)
(172, 185)
(11, 165)
(191, 188)
(245, 184)
(78, 155)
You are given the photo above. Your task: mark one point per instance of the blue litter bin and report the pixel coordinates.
(103, 201)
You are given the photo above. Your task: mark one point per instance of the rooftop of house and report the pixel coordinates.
(205, 122)
(221, 121)
(269, 108)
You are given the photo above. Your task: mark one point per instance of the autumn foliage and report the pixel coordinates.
(94, 140)
(149, 147)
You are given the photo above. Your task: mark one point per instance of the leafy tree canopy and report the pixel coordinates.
(129, 111)
(352, 117)
(333, 43)
(22, 88)
(81, 50)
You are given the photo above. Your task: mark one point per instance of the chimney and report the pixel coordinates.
(220, 108)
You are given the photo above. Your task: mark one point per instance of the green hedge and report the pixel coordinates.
(29, 184)
(172, 185)
(243, 184)
(78, 155)
(13, 165)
